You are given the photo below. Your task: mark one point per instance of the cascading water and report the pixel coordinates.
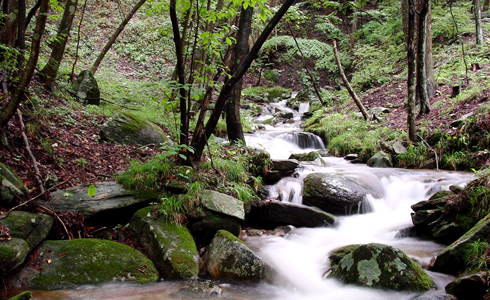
(300, 258)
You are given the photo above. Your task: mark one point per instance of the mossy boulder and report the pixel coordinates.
(69, 263)
(310, 156)
(380, 160)
(336, 255)
(231, 258)
(170, 246)
(10, 185)
(127, 128)
(32, 228)
(384, 267)
(86, 88)
(204, 230)
(12, 254)
(23, 296)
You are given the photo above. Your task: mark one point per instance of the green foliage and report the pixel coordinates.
(148, 175)
(171, 209)
(443, 24)
(268, 94)
(476, 256)
(415, 157)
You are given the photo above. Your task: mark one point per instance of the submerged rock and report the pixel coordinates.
(231, 258)
(126, 128)
(12, 254)
(170, 246)
(384, 267)
(32, 228)
(66, 263)
(198, 289)
(271, 214)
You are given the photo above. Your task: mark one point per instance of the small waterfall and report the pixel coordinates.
(304, 107)
(305, 140)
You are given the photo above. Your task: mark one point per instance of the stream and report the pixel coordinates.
(301, 257)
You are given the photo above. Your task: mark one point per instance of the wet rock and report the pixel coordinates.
(336, 255)
(126, 128)
(204, 231)
(86, 88)
(435, 295)
(384, 267)
(380, 160)
(10, 186)
(231, 258)
(23, 296)
(333, 193)
(32, 228)
(69, 263)
(314, 156)
(469, 287)
(224, 204)
(284, 165)
(12, 254)
(271, 214)
(452, 259)
(352, 156)
(171, 247)
(198, 289)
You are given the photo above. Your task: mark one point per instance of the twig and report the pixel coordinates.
(28, 148)
(431, 149)
(59, 219)
(78, 41)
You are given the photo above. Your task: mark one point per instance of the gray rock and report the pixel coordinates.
(12, 254)
(399, 148)
(313, 156)
(230, 258)
(284, 164)
(198, 289)
(384, 267)
(271, 214)
(111, 204)
(223, 203)
(452, 259)
(86, 88)
(334, 193)
(10, 185)
(32, 228)
(352, 156)
(171, 247)
(126, 128)
(69, 263)
(380, 160)
(379, 111)
(469, 287)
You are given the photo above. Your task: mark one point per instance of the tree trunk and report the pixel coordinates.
(50, 70)
(199, 139)
(179, 51)
(114, 36)
(351, 91)
(421, 68)
(479, 31)
(32, 12)
(233, 120)
(20, 42)
(8, 32)
(7, 111)
(412, 131)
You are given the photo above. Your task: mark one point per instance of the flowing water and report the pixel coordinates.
(301, 257)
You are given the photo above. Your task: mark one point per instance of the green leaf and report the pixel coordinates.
(92, 190)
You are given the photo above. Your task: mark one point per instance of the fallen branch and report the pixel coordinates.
(59, 219)
(431, 149)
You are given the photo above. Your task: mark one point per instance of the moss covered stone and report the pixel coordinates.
(170, 246)
(12, 254)
(384, 267)
(10, 184)
(230, 258)
(23, 296)
(130, 129)
(83, 261)
(33, 228)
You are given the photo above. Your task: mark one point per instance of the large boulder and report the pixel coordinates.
(112, 204)
(453, 258)
(204, 230)
(12, 254)
(334, 193)
(380, 160)
(126, 128)
(224, 204)
(86, 88)
(68, 263)
(231, 258)
(384, 267)
(271, 214)
(170, 246)
(32, 228)
(280, 169)
(469, 287)
(10, 185)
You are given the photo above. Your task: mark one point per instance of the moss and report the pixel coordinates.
(89, 261)
(225, 234)
(23, 296)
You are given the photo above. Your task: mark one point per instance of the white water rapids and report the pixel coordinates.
(301, 257)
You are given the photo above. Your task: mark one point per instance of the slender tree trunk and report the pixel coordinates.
(233, 120)
(20, 42)
(8, 32)
(351, 91)
(32, 12)
(50, 70)
(478, 27)
(179, 51)
(114, 36)
(199, 139)
(421, 67)
(7, 111)
(412, 130)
